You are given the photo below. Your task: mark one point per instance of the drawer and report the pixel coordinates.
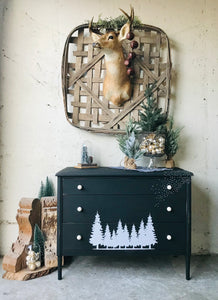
(133, 208)
(122, 185)
(160, 237)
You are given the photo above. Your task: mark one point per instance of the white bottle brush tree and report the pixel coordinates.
(129, 145)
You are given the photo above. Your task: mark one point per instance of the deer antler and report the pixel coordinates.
(90, 24)
(95, 30)
(129, 17)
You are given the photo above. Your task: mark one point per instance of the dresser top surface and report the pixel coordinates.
(110, 171)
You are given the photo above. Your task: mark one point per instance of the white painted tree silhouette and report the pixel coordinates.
(150, 232)
(125, 236)
(114, 241)
(119, 233)
(141, 234)
(121, 238)
(96, 236)
(133, 237)
(107, 237)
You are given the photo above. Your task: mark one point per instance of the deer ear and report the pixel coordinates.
(95, 37)
(123, 32)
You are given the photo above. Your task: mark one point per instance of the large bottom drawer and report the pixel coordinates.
(166, 237)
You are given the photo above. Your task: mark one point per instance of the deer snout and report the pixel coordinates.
(96, 45)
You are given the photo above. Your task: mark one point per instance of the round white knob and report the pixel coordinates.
(79, 187)
(169, 187)
(79, 209)
(169, 208)
(169, 237)
(78, 237)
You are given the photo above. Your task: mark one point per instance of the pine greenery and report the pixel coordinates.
(39, 242)
(151, 118)
(46, 189)
(171, 139)
(115, 23)
(128, 142)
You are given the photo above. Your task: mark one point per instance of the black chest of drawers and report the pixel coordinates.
(107, 211)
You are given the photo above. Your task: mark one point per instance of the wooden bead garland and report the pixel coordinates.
(134, 44)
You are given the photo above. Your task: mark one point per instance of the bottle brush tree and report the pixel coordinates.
(38, 242)
(46, 189)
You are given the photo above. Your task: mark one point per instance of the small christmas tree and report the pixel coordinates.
(39, 242)
(151, 119)
(41, 191)
(49, 189)
(46, 189)
(171, 141)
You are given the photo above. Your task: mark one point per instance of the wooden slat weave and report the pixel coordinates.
(83, 71)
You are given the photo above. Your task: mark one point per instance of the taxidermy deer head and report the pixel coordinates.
(116, 87)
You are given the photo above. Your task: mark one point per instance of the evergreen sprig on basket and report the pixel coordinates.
(114, 23)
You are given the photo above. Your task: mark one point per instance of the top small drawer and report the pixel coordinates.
(119, 185)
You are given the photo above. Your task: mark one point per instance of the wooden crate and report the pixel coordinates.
(83, 71)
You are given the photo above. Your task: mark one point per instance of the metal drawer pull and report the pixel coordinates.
(169, 187)
(79, 209)
(169, 209)
(169, 237)
(79, 187)
(79, 237)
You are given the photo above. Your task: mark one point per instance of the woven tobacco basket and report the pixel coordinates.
(83, 71)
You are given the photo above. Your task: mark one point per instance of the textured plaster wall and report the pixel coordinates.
(36, 139)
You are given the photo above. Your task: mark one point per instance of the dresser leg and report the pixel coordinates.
(59, 267)
(187, 259)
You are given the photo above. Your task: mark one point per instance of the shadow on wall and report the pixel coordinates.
(174, 51)
(200, 220)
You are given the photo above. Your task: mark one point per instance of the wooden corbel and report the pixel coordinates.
(28, 214)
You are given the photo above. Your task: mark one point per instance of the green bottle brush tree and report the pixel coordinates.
(46, 189)
(39, 243)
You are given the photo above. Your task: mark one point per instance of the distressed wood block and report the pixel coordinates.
(26, 274)
(49, 229)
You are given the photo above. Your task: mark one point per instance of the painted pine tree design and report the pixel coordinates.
(96, 237)
(114, 241)
(141, 234)
(107, 237)
(119, 232)
(125, 237)
(121, 238)
(151, 238)
(133, 239)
